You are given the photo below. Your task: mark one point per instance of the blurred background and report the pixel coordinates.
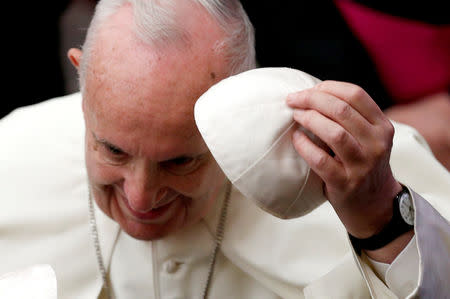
(399, 52)
(37, 68)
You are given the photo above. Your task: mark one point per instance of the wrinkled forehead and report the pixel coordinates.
(158, 94)
(147, 108)
(131, 113)
(139, 93)
(155, 128)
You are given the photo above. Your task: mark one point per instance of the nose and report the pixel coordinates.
(143, 189)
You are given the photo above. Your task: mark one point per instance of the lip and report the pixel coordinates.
(153, 213)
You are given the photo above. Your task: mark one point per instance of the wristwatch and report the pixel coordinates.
(401, 222)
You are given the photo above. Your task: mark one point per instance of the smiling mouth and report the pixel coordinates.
(157, 215)
(153, 213)
(163, 212)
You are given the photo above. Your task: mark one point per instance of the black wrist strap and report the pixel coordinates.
(396, 227)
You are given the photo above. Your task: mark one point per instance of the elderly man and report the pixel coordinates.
(158, 200)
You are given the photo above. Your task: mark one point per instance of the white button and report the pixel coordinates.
(171, 266)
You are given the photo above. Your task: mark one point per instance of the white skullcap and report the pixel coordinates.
(247, 126)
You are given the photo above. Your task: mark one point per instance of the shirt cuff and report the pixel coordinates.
(402, 275)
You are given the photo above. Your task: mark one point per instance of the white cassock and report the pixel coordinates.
(44, 220)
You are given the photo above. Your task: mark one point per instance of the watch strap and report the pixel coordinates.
(393, 229)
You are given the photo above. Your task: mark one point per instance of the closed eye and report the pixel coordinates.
(181, 165)
(182, 160)
(113, 150)
(109, 151)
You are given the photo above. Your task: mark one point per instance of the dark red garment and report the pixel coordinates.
(412, 57)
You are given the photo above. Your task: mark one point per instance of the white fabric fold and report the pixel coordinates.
(402, 275)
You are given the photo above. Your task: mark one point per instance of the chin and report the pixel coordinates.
(145, 235)
(145, 232)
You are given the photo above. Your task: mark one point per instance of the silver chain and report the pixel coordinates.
(218, 240)
(98, 252)
(212, 260)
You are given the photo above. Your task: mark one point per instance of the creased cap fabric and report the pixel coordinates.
(247, 126)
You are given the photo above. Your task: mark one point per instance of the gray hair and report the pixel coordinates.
(156, 25)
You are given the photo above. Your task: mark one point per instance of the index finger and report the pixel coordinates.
(355, 96)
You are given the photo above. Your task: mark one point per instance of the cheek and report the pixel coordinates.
(199, 184)
(210, 179)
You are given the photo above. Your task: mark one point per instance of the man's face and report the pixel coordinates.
(148, 166)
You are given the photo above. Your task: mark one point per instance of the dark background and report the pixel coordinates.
(308, 35)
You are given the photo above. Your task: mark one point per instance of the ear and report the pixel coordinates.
(74, 56)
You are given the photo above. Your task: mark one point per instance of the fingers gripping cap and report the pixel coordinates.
(247, 126)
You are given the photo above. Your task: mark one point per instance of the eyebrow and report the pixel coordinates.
(107, 143)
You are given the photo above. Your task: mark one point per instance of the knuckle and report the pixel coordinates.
(320, 161)
(298, 143)
(390, 131)
(357, 153)
(357, 178)
(324, 86)
(355, 93)
(304, 98)
(339, 137)
(307, 95)
(342, 182)
(380, 150)
(320, 86)
(342, 111)
(307, 117)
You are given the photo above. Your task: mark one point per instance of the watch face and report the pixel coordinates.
(406, 208)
